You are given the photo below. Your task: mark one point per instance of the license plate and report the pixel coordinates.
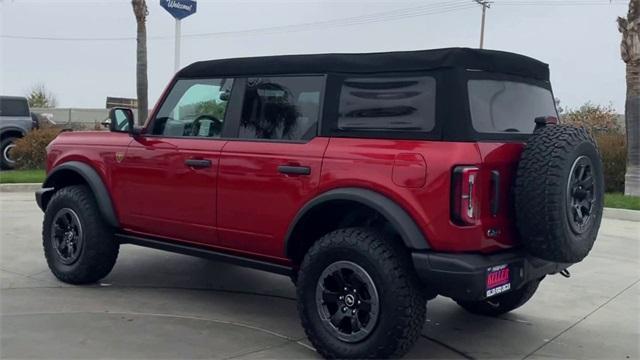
(498, 280)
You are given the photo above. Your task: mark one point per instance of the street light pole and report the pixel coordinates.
(485, 4)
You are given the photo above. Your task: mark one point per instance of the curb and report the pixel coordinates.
(22, 187)
(621, 214)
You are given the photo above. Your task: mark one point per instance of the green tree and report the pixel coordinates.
(142, 83)
(40, 97)
(213, 108)
(630, 53)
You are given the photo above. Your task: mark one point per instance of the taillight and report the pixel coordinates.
(464, 195)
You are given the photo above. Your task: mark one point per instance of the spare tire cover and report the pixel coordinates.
(559, 193)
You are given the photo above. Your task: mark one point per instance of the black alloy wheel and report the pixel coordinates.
(347, 301)
(580, 194)
(67, 236)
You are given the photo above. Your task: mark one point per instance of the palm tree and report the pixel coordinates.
(140, 11)
(630, 52)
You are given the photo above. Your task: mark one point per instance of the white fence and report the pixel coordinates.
(84, 118)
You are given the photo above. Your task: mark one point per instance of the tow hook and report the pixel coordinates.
(565, 273)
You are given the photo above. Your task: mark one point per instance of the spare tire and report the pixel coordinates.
(559, 193)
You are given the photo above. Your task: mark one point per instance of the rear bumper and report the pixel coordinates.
(464, 276)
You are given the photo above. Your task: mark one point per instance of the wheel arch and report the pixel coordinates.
(12, 132)
(75, 173)
(323, 213)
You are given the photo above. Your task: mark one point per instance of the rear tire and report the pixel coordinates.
(503, 303)
(559, 194)
(359, 264)
(6, 161)
(78, 244)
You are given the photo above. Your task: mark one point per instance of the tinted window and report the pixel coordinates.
(194, 108)
(506, 106)
(14, 107)
(388, 103)
(281, 108)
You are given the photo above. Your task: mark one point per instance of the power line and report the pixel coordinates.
(437, 8)
(562, 3)
(393, 15)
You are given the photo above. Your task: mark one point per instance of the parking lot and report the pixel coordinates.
(160, 305)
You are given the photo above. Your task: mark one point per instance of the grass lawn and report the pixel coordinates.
(21, 176)
(617, 200)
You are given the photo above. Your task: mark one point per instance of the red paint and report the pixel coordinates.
(409, 170)
(244, 205)
(256, 203)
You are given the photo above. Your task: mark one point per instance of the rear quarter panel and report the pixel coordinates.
(369, 164)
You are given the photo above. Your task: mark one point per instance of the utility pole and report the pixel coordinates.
(485, 5)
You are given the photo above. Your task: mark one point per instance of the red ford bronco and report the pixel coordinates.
(376, 181)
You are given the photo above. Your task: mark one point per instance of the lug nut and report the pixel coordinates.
(358, 302)
(341, 297)
(353, 312)
(344, 309)
(346, 289)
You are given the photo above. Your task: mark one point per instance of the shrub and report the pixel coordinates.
(613, 150)
(30, 151)
(601, 121)
(596, 118)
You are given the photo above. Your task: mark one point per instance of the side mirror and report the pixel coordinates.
(120, 120)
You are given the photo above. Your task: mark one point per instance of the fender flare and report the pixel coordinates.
(93, 179)
(12, 129)
(407, 228)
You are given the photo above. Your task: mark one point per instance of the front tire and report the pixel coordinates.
(503, 303)
(78, 244)
(358, 296)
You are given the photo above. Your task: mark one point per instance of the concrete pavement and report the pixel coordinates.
(160, 305)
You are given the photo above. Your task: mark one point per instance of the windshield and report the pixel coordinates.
(508, 107)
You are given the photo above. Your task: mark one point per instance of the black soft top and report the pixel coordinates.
(397, 61)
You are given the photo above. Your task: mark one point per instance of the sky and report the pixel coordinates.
(84, 50)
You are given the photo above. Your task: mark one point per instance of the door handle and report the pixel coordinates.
(294, 170)
(198, 163)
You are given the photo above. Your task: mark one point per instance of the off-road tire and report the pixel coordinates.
(503, 303)
(542, 191)
(5, 164)
(99, 251)
(402, 303)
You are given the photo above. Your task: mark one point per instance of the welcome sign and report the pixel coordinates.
(179, 9)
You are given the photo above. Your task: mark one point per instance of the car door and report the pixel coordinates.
(168, 178)
(273, 166)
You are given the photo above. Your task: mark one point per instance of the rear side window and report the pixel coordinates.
(508, 107)
(14, 107)
(281, 108)
(388, 103)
